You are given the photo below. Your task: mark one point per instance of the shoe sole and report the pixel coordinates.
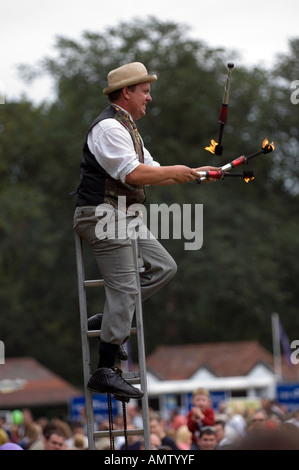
(116, 393)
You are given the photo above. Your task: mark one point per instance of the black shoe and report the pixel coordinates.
(105, 380)
(94, 323)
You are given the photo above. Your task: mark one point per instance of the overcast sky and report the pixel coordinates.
(258, 29)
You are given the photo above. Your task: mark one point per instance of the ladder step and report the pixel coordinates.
(132, 377)
(94, 283)
(119, 432)
(97, 333)
(93, 333)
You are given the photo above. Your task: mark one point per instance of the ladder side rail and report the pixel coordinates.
(141, 354)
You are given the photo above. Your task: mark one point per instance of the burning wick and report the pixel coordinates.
(212, 147)
(247, 179)
(268, 147)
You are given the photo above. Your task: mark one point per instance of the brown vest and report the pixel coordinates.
(96, 185)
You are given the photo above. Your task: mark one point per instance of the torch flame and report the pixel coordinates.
(248, 178)
(266, 144)
(212, 147)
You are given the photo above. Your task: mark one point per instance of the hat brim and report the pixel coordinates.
(129, 82)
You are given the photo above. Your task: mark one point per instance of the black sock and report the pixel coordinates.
(107, 354)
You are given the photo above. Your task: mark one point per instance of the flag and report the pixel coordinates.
(285, 343)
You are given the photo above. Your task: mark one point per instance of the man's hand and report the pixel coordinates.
(183, 174)
(208, 168)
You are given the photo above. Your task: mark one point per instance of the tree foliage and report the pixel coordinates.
(247, 267)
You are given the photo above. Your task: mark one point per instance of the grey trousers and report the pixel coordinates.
(112, 248)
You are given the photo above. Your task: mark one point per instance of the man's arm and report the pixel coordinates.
(164, 175)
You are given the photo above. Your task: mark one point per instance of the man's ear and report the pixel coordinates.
(126, 92)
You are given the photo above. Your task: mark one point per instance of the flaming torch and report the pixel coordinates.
(216, 147)
(219, 174)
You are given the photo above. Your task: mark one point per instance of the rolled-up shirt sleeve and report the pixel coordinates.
(112, 146)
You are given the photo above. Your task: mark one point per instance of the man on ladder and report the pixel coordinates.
(115, 169)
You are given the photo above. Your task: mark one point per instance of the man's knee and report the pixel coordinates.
(172, 268)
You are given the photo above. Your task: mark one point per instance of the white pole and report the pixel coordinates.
(276, 346)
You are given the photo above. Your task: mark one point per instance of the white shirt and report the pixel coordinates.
(113, 148)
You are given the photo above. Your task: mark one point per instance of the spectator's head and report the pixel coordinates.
(53, 439)
(206, 439)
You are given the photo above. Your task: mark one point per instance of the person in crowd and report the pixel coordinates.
(272, 408)
(183, 437)
(5, 435)
(236, 424)
(54, 439)
(205, 438)
(155, 442)
(78, 442)
(201, 413)
(134, 415)
(177, 420)
(258, 421)
(157, 426)
(78, 429)
(222, 440)
(32, 436)
(133, 441)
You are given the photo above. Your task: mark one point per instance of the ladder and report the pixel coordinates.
(131, 377)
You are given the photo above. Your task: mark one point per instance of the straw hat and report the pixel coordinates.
(126, 75)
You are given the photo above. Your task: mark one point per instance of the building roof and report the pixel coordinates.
(40, 385)
(223, 359)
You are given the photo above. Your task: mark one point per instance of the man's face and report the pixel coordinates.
(207, 442)
(55, 442)
(155, 427)
(138, 99)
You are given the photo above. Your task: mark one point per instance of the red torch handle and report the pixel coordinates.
(215, 174)
(223, 114)
(237, 162)
(212, 174)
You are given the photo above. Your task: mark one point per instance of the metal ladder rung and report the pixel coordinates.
(97, 333)
(118, 432)
(132, 377)
(94, 283)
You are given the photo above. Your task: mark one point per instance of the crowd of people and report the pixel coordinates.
(268, 426)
